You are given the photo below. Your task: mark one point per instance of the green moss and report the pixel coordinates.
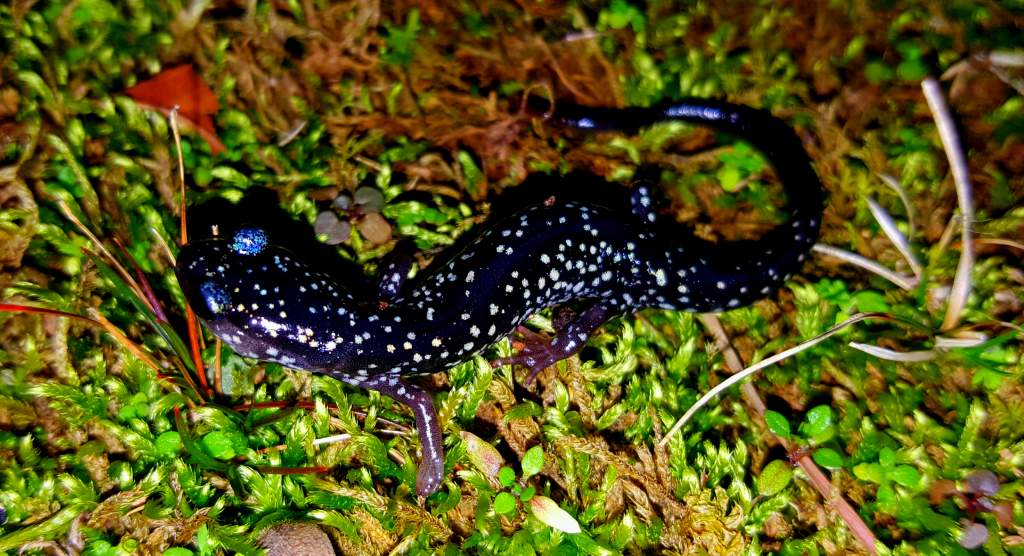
(415, 106)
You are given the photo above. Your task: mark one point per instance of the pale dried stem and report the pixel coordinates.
(893, 355)
(896, 186)
(962, 180)
(173, 118)
(1000, 241)
(164, 247)
(905, 282)
(897, 238)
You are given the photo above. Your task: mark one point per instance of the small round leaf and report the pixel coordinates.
(504, 503)
(533, 461)
(168, 443)
(974, 535)
(483, 455)
(774, 477)
(369, 198)
(827, 457)
(777, 423)
(506, 476)
(905, 475)
(818, 424)
(374, 228)
(218, 445)
(547, 512)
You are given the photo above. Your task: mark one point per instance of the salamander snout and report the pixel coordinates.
(205, 287)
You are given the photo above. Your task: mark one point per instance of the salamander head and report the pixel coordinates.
(263, 302)
(211, 270)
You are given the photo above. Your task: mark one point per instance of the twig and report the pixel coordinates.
(1000, 241)
(291, 134)
(190, 315)
(176, 133)
(905, 282)
(163, 245)
(814, 474)
(961, 177)
(218, 372)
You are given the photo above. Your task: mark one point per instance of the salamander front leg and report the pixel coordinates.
(392, 276)
(539, 353)
(431, 471)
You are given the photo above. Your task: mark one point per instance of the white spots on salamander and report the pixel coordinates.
(617, 266)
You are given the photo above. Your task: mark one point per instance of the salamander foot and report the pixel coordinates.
(539, 351)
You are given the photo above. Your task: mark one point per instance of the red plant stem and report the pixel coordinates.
(271, 470)
(15, 308)
(278, 405)
(217, 370)
(147, 289)
(817, 478)
(193, 340)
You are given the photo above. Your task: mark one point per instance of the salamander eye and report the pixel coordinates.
(249, 241)
(215, 297)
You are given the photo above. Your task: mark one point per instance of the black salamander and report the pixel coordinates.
(267, 304)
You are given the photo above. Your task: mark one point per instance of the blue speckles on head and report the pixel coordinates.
(215, 297)
(249, 241)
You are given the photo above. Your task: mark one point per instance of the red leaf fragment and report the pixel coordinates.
(181, 86)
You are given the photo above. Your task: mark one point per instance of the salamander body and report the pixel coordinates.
(268, 304)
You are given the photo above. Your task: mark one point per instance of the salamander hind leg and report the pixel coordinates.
(431, 471)
(539, 352)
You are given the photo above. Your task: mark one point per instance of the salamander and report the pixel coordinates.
(268, 304)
